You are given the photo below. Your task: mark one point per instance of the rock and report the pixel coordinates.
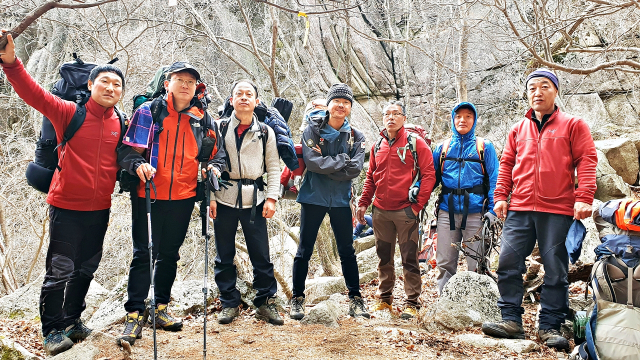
(11, 350)
(623, 157)
(87, 349)
(111, 310)
(321, 288)
(623, 106)
(611, 187)
(589, 107)
(95, 296)
(364, 243)
(592, 240)
(366, 277)
(517, 346)
(603, 167)
(325, 313)
(468, 299)
(367, 261)
(187, 297)
(248, 294)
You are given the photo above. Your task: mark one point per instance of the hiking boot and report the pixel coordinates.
(297, 308)
(507, 329)
(166, 321)
(56, 342)
(409, 312)
(132, 328)
(227, 315)
(77, 331)
(357, 308)
(381, 306)
(268, 312)
(553, 338)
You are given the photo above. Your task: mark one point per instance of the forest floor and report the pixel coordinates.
(248, 338)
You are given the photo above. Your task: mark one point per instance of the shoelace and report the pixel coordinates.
(131, 324)
(359, 304)
(297, 305)
(54, 337)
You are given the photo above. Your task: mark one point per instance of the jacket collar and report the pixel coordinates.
(400, 134)
(235, 122)
(531, 116)
(98, 110)
(192, 111)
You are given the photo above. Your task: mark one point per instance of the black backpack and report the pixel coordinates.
(72, 87)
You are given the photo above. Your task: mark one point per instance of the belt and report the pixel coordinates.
(258, 184)
(478, 189)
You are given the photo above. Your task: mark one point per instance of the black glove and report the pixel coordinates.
(413, 194)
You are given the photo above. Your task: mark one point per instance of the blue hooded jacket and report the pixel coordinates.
(465, 175)
(328, 178)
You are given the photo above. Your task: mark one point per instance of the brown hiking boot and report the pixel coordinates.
(166, 321)
(553, 338)
(506, 329)
(132, 328)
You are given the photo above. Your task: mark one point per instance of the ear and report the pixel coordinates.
(257, 101)
(89, 84)
(166, 85)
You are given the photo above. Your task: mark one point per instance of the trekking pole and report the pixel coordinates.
(152, 301)
(204, 212)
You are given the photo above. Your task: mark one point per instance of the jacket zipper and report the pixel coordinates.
(95, 186)
(166, 147)
(173, 161)
(459, 170)
(182, 158)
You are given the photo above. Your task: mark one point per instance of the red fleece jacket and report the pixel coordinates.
(538, 167)
(88, 161)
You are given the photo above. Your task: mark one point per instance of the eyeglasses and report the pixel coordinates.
(189, 83)
(388, 115)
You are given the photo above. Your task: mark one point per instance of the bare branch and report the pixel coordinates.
(311, 12)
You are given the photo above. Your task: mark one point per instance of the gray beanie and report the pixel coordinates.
(340, 91)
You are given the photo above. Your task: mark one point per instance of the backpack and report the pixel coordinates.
(613, 326)
(72, 87)
(155, 88)
(290, 181)
(623, 213)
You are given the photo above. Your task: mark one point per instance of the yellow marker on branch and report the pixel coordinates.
(307, 25)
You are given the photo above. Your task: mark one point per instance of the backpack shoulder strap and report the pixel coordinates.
(124, 123)
(377, 147)
(443, 153)
(156, 110)
(480, 150)
(76, 121)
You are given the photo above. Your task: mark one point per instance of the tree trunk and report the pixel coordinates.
(463, 53)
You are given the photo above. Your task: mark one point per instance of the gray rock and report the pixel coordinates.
(248, 294)
(623, 157)
(187, 296)
(623, 106)
(111, 310)
(611, 187)
(367, 261)
(364, 243)
(603, 167)
(589, 107)
(366, 277)
(11, 350)
(95, 296)
(468, 299)
(517, 346)
(325, 313)
(321, 288)
(86, 349)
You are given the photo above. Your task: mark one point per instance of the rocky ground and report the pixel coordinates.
(384, 336)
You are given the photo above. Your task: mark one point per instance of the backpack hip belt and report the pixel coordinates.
(478, 189)
(258, 184)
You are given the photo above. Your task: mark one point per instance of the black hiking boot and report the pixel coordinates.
(297, 308)
(269, 313)
(553, 338)
(56, 342)
(77, 331)
(132, 328)
(506, 329)
(166, 321)
(357, 308)
(227, 315)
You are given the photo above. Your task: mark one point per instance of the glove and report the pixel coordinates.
(492, 218)
(215, 183)
(413, 194)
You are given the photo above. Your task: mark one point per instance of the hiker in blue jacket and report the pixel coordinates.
(333, 152)
(467, 189)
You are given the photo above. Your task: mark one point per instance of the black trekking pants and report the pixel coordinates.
(311, 218)
(75, 250)
(521, 229)
(169, 225)
(257, 240)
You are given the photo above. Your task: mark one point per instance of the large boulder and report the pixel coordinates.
(364, 243)
(187, 297)
(87, 349)
(589, 107)
(611, 187)
(321, 288)
(111, 310)
(325, 313)
(468, 299)
(95, 296)
(622, 155)
(367, 261)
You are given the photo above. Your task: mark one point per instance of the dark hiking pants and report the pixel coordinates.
(341, 222)
(521, 229)
(257, 240)
(75, 250)
(169, 224)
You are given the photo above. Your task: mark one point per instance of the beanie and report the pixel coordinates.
(546, 73)
(340, 91)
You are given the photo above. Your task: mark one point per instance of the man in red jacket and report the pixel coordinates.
(391, 173)
(541, 155)
(79, 195)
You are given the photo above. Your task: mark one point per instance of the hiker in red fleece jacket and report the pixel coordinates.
(540, 157)
(79, 195)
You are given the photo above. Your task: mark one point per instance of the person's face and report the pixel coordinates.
(339, 108)
(106, 90)
(541, 93)
(182, 85)
(463, 120)
(244, 97)
(393, 118)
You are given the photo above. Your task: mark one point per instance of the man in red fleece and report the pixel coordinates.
(540, 157)
(389, 178)
(79, 195)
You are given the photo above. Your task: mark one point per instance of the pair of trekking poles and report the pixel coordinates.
(210, 185)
